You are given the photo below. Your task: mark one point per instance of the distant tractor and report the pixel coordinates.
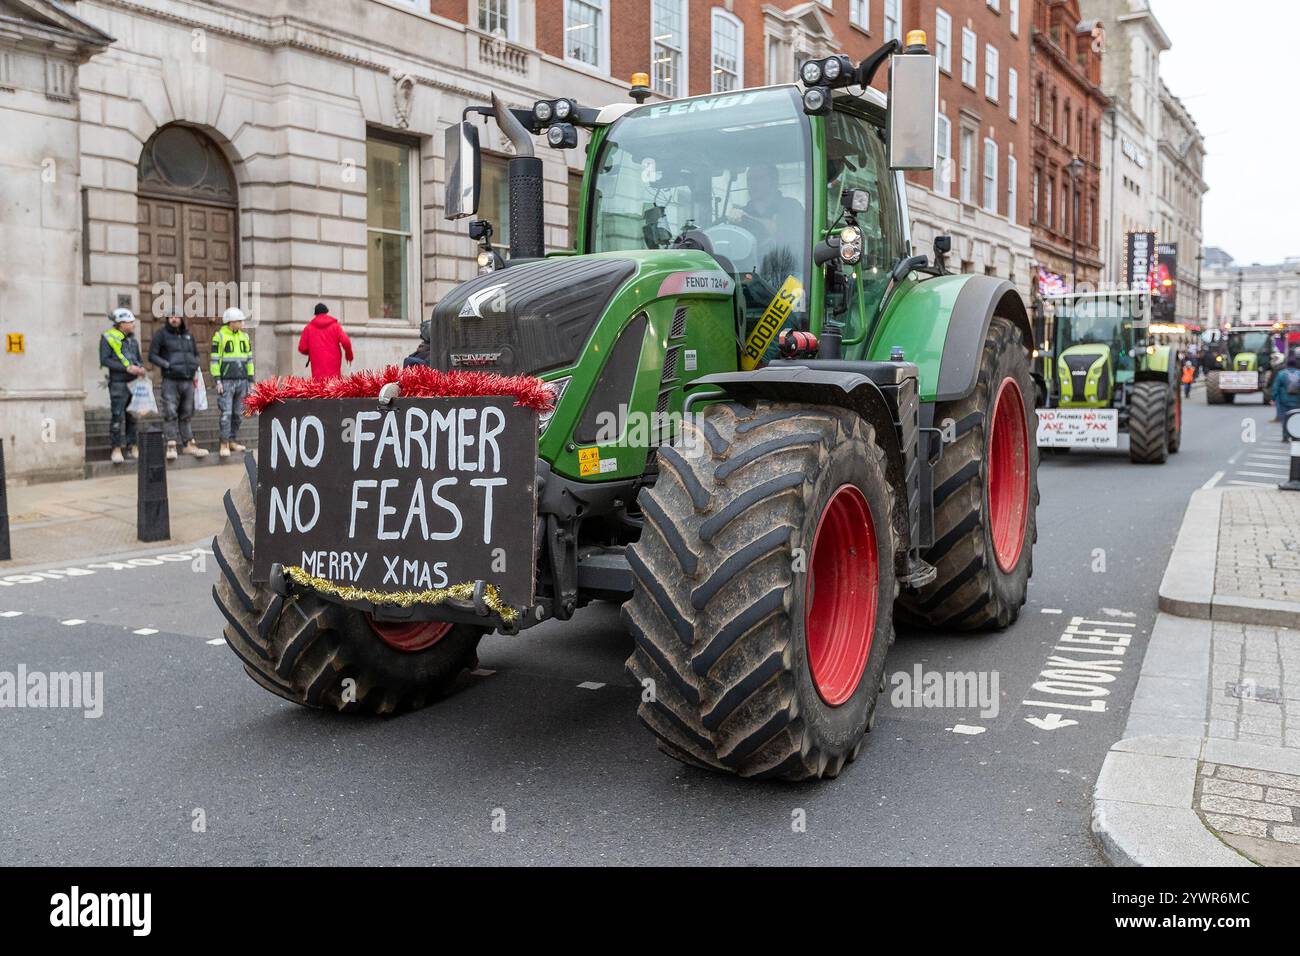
(1104, 374)
(1244, 363)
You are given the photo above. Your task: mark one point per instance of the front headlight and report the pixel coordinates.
(558, 388)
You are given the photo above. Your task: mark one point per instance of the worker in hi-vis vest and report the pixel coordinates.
(232, 368)
(119, 353)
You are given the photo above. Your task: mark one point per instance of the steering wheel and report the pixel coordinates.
(735, 243)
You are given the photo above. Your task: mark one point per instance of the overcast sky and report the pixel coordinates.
(1235, 66)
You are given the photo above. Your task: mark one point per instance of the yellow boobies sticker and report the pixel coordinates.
(769, 324)
(590, 463)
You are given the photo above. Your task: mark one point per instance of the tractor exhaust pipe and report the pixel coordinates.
(525, 173)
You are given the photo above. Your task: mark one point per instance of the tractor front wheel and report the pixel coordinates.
(763, 590)
(985, 497)
(319, 654)
(1176, 419)
(1214, 395)
(1149, 416)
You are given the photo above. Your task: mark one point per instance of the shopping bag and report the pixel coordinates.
(200, 392)
(142, 400)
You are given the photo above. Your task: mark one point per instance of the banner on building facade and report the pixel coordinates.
(1141, 260)
(1164, 305)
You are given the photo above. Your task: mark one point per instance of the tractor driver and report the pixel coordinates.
(770, 215)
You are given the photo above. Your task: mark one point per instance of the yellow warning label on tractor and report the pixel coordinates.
(769, 324)
(590, 463)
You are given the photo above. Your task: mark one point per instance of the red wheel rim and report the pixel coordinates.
(1008, 475)
(840, 595)
(410, 635)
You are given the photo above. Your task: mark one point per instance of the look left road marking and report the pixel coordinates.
(72, 622)
(146, 631)
(130, 564)
(11, 613)
(1088, 656)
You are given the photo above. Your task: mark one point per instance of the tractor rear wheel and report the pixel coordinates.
(1213, 394)
(763, 590)
(320, 654)
(985, 497)
(1149, 418)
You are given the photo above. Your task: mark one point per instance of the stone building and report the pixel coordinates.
(1180, 190)
(1065, 182)
(1249, 294)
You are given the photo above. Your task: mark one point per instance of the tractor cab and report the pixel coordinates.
(1100, 341)
(1250, 349)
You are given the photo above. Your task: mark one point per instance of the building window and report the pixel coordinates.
(586, 33)
(991, 71)
(1013, 169)
(943, 155)
(668, 46)
(860, 13)
(893, 20)
(1034, 192)
(990, 175)
(943, 40)
(497, 17)
(728, 42)
(968, 57)
(1051, 191)
(1013, 14)
(390, 252)
(967, 164)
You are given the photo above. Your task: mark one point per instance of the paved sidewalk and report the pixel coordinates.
(1208, 772)
(75, 520)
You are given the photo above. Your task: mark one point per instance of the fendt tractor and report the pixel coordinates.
(1104, 374)
(839, 432)
(1245, 362)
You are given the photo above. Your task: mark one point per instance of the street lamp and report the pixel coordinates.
(1075, 169)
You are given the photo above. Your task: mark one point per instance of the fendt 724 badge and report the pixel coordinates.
(744, 302)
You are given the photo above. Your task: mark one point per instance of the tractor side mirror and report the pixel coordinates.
(913, 110)
(462, 157)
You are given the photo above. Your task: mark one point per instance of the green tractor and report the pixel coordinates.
(776, 426)
(1105, 374)
(1245, 362)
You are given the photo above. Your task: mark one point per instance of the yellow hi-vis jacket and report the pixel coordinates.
(232, 354)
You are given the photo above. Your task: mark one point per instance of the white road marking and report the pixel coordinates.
(1050, 722)
(1116, 612)
(145, 631)
(482, 672)
(1253, 484)
(130, 564)
(72, 622)
(591, 685)
(1051, 610)
(967, 729)
(1233, 459)
(1263, 474)
(11, 613)
(1213, 481)
(216, 641)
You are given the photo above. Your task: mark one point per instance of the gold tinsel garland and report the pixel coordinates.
(457, 592)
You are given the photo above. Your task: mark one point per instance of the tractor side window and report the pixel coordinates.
(855, 158)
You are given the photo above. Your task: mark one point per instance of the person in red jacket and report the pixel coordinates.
(325, 344)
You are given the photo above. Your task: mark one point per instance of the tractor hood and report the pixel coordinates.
(1083, 372)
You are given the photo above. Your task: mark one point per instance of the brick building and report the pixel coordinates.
(1067, 111)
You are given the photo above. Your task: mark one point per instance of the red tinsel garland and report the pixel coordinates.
(417, 381)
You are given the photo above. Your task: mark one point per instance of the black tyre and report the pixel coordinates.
(985, 498)
(1149, 415)
(763, 589)
(1213, 394)
(1176, 419)
(319, 654)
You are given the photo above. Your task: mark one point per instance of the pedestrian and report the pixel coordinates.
(1286, 389)
(119, 353)
(173, 350)
(232, 370)
(325, 344)
(1189, 375)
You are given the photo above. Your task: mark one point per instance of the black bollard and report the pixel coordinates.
(4, 508)
(1292, 426)
(152, 519)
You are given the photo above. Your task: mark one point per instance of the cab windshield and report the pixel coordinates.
(1249, 342)
(1098, 321)
(726, 173)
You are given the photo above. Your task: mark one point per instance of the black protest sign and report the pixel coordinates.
(421, 494)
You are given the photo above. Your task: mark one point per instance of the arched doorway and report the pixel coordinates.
(188, 226)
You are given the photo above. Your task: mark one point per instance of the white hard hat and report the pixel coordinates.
(233, 314)
(122, 315)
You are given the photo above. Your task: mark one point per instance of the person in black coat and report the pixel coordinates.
(173, 350)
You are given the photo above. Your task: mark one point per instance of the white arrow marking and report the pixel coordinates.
(967, 729)
(1050, 722)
